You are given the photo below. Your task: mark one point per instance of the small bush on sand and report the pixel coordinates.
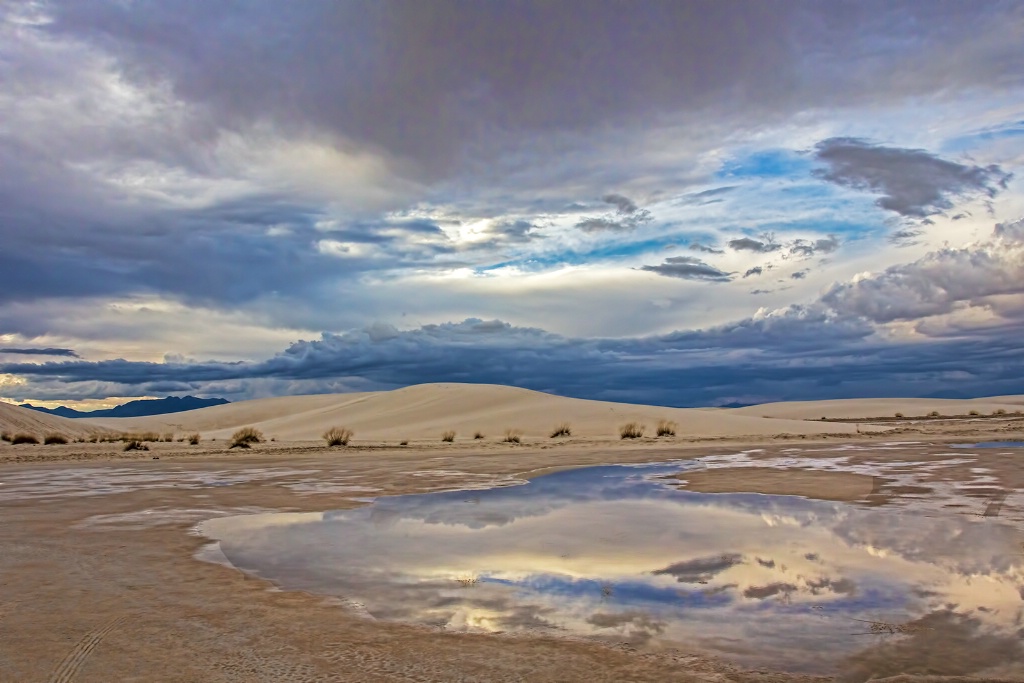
(135, 445)
(404, 442)
(564, 429)
(478, 435)
(194, 439)
(631, 430)
(513, 436)
(245, 437)
(448, 436)
(337, 436)
(23, 438)
(5, 436)
(1000, 411)
(666, 428)
(974, 413)
(934, 413)
(167, 438)
(899, 415)
(51, 439)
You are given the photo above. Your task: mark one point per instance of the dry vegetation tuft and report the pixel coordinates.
(564, 429)
(448, 436)
(245, 437)
(5, 436)
(193, 439)
(135, 445)
(24, 438)
(666, 428)
(513, 436)
(478, 435)
(337, 436)
(631, 430)
(51, 439)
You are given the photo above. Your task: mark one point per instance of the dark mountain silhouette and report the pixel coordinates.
(140, 408)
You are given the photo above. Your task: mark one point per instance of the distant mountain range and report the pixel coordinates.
(140, 408)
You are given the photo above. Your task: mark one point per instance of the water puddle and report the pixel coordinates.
(624, 554)
(990, 444)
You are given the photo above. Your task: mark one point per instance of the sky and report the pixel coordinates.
(678, 203)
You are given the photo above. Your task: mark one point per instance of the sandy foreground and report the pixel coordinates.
(98, 581)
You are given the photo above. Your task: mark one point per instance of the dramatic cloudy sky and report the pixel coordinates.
(671, 202)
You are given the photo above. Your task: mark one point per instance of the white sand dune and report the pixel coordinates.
(861, 408)
(425, 411)
(15, 419)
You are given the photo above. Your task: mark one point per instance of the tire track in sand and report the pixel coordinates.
(74, 660)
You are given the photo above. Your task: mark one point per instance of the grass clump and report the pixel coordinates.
(478, 435)
(337, 436)
(245, 437)
(24, 438)
(934, 413)
(974, 413)
(404, 442)
(564, 429)
(448, 436)
(193, 439)
(666, 428)
(1000, 411)
(899, 414)
(513, 436)
(51, 439)
(167, 438)
(135, 445)
(5, 436)
(631, 430)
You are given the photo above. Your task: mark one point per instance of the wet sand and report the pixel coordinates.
(100, 583)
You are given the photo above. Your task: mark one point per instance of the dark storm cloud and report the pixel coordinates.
(756, 270)
(628, 216)
(70, 353)
(697, 246)
(804, 353)
(912, 182)
(701, 569)
(807, 248)
(748, 244)
(689, 268)
(416, 79)
(623, 203)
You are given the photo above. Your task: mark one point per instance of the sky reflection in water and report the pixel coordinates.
(620, 553)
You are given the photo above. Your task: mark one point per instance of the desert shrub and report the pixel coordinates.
(194, 439)
(631, 430)
(51, 439)
(135, 445)
(245, 437)
(899, 414)
(478, 435)
(337, 436)
(564, 429)
(404, 442)
(974, 413)
(1000, 411)
(5, 436)
(513, 436)
(934, 413)
(167, 438)
(448, 436)
(23, 438)
(666, 428)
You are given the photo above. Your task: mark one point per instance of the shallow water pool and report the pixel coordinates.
(622, 554)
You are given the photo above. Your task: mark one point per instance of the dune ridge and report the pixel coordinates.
(425, 411)
(16, 419)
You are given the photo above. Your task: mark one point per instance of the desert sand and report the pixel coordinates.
(100, 583)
